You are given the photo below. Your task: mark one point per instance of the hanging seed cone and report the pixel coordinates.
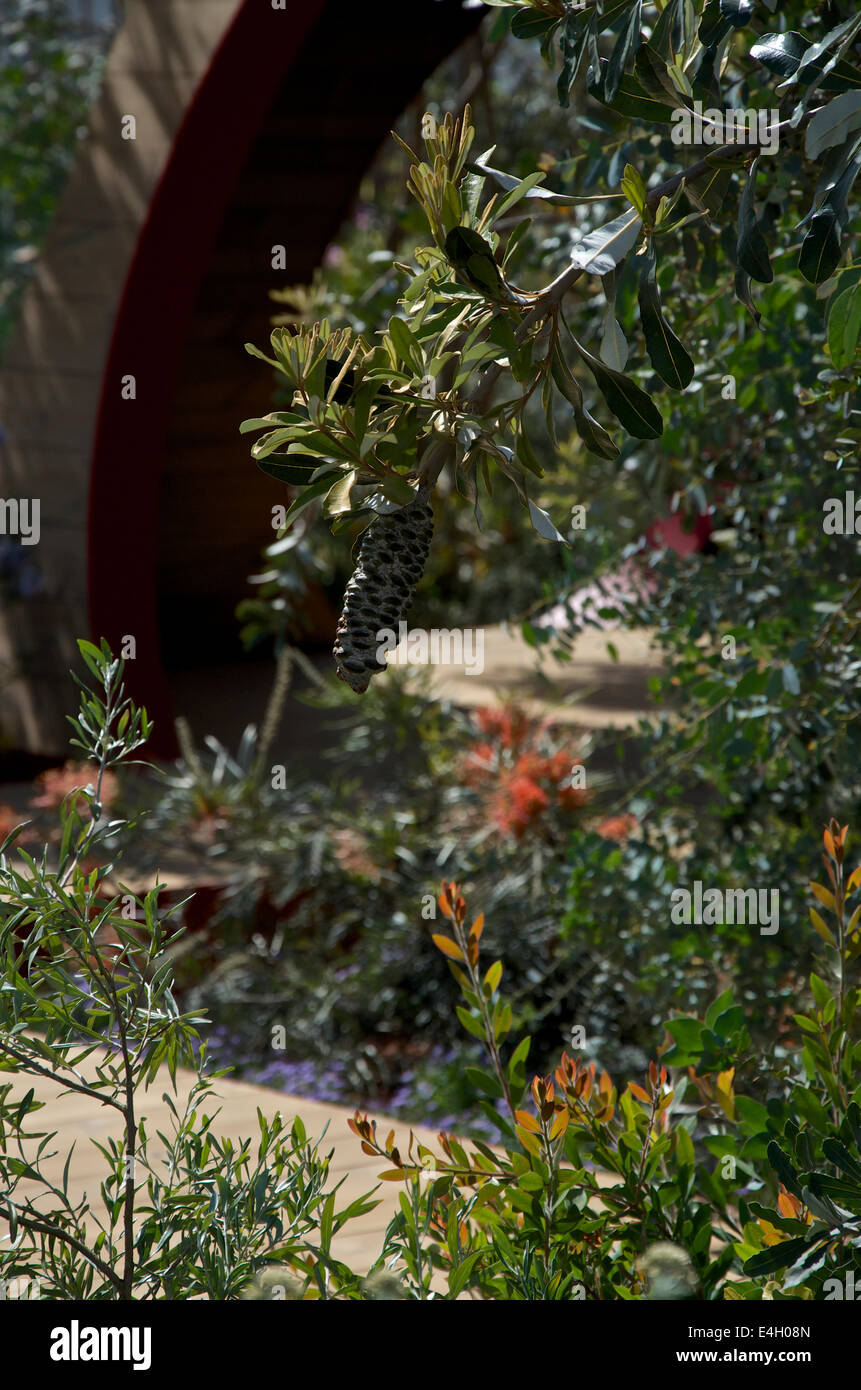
(391, 563)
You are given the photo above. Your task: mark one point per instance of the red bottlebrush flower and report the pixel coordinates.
(618, 827)
(518, 805)
(531, 765)
(520, 770)
(527, 796)
(57, 782)
(489, 721)
(480, 763)
(511, 726)
(571, 798)
(560, 766)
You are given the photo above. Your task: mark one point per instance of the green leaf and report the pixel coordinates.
(753, 1115)
(461, 1274)
(835, 38)
(526, 453)
(483, 1081)
(820, 250)
(93, 658)
(738, 12)
(744, 296)
(714, 26)
(406, 345)
(472, 1024)
(821, 992)
(337, 499)
(543, 525)
(844, 326)
(626, 44)
(833, 124)
(527, 24)
(23, 1108)
(564, 378)
(509, 182)
(652, 72)
(840, 1156)
(493, 977)
(782, 54)
(687, 1032)
(472, 257)
(575, 42)
(721, 1004)
(471, 188)
(277, 417)
(633, 100)
(255, 352)
(666, 354)
(602, 249)
(520, 191)
(751, 251)
(634, 189)
(397, 490)
(311, 493)
(594, 436)
(776, 1257)
(631, 405)
(782, 1166)
(295, 474)
(614, 346)
(518, 1057)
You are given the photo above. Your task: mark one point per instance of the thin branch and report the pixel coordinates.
(82, 1087)
(46, 1229)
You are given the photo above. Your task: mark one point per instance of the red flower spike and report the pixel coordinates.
(618, 827)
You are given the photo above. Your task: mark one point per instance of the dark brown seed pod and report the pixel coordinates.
(381, 589)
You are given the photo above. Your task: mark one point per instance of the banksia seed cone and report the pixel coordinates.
(391, 563)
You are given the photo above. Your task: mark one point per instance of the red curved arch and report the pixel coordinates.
(219, 129)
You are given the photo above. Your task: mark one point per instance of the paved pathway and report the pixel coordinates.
(76, 1118)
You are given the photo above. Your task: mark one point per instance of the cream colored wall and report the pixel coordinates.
(51, 375)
